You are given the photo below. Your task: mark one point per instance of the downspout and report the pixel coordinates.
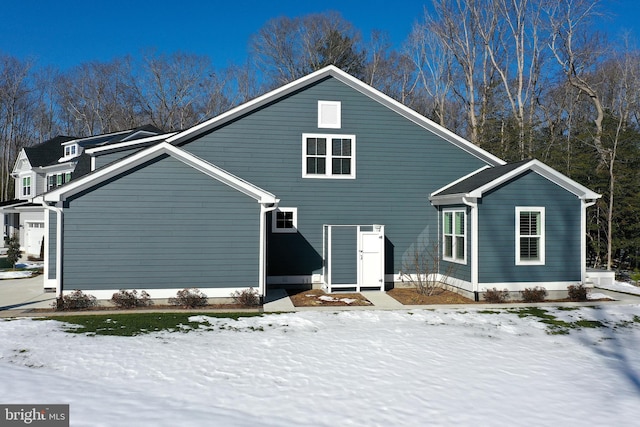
(59, 224)
(583, 238)
(474, 245)
(262, 263)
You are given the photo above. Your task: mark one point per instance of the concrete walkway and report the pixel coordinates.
(19, 296)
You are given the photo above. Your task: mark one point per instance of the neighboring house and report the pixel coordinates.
(49, 165)
(322, 182)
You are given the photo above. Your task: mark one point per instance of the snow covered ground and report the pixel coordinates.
(442, 367)
(622, 287)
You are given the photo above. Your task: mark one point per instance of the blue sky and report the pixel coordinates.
(65, 33)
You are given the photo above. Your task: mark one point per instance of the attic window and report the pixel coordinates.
(70, 150)
(329, 114)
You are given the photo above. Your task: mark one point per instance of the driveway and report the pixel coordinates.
(17, 294)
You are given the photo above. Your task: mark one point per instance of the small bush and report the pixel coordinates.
(536, 294)
(77, 300)
(130, 299)
(246, 298)
(578, 292)
(495, 296)
(189, 298)
(13, 251)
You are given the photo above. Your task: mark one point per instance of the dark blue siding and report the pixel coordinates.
(398, 165)
(344, 244)
(164, 226)
(51, 242)
(496, 218)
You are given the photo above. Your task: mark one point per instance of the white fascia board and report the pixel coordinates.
(356, 84)
(253, 104)
(22, 156)
(545, 171)
(129, 143)
(108, 172)
(434, 194)
(417, 118)
(60, 167)
(450, 199)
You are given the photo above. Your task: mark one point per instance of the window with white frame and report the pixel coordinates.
(329, 114)
(57, 180)
(454, 237)
(285, 220)
(70, 150)
(26, 185)
(328, 156)
(530, 236)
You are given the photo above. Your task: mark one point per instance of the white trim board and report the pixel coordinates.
(333, 71)
(130, 162)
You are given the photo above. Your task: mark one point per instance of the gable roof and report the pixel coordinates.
(332, 71)
(110, 171)
(46, 153)
(480, 182)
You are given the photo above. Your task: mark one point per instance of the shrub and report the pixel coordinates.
(130, 299)
(246, 298)
(536, 294)
(577, 292)
(189, 298)
(496, 296)
(13, 251)
(77, 300)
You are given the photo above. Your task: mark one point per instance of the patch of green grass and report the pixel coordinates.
(132, 324)
(556, 326)
(4, 264)
(488, 312)
(568, 308)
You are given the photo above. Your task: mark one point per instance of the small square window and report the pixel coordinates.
(329, 114)
(285, 220)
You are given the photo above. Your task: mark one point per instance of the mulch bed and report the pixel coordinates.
(318, 298)
(410, 296)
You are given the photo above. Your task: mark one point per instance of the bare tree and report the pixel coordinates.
(511, 30)
(174, 91)
(285, 49)
(94, 97)
(456, 25)
(16, 116)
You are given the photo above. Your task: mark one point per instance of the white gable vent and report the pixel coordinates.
(329, 114)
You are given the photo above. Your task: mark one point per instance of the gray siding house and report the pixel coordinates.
(322, 182)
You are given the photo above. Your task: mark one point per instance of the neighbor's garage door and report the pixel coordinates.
(34, 236)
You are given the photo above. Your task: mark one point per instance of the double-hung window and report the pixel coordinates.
(530, 236)
(328, 156)
(26, 186)
(454, 236)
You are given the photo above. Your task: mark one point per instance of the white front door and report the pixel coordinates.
(34, 236)
(371, 258)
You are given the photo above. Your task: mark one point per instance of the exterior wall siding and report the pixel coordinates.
(105, 159)
(51, 241)
(398, 164)
(344, 246)
(496, 217)
(163, 226)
